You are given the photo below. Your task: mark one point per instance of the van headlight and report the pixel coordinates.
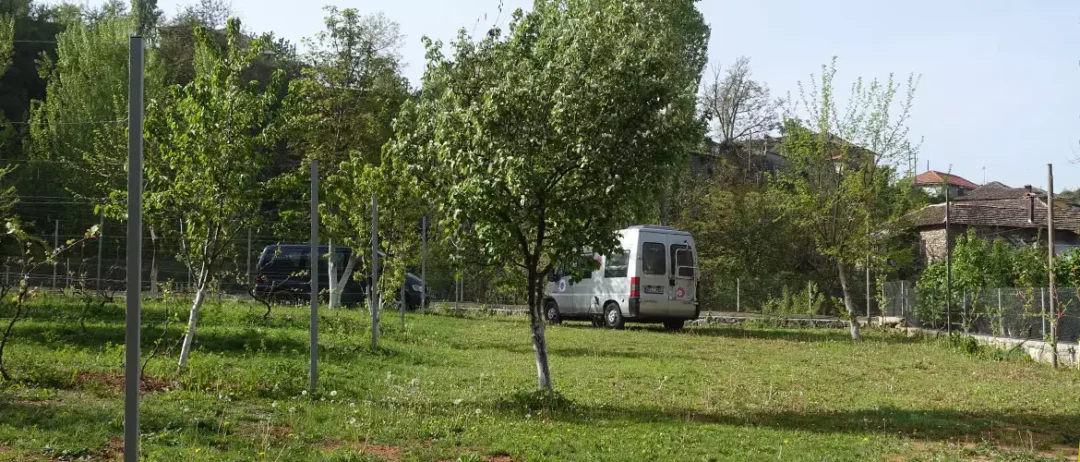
(417, 288)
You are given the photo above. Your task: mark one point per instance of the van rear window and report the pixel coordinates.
(616, 265)
(653, 259)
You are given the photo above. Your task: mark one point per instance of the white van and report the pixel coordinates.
(653, 279)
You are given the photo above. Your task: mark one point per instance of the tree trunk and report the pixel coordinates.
(536, 328)
(849, 304)
(339, 285)
(193, 318)
(335, 292)
(153, 265)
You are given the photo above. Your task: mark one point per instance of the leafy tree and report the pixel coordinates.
(737, 106)
(147, 15)
(342, 111)
(546, 141)
(209, 146)
(79, 130)
(7, 193)
(841, 163)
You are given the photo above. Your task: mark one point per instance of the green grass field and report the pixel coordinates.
(449, 388)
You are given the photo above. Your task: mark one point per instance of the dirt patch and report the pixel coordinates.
(382, 451)
(280, 431)
(117, 381)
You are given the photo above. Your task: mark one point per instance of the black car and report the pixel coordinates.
(283, 276)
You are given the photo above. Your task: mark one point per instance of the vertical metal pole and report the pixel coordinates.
(374, 271)
(948, 264)
(1050, 262)
(313, 375)
(809, 297)
(1001, 316)
(56, 245)
(423, 263)
(402, 306)
(1042, 309)
(869, 292)
(903, 299)
(67, 269)
(100, 247)
(247, 258)
(132, 376)
(738, 295)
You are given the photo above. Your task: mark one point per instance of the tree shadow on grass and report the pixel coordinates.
(797, 335)
(211, 340)
(1005, 428)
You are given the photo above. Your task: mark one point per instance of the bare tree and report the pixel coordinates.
(736, 106)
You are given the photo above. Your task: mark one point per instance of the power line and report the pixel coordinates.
(91, 122)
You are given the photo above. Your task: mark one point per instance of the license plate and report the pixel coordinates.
(657, 290)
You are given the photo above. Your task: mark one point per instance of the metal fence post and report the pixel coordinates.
(1042, 309)
(738, 295)
(133, 318)
(56, 245)
(1001, 316)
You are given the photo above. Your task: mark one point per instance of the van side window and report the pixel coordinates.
(616, 265)
(286, 259)
(586, 262)
(682, 261)
(653, 259)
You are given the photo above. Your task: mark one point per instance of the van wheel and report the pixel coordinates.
(551, 312)
(674, 325)
(613, 317)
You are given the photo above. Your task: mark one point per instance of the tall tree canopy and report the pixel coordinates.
(546, 141)
(842, 187)
(341, 111)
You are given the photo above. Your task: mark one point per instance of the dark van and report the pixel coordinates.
(282, 276)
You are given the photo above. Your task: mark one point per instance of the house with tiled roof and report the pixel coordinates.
(933, 181)
(996, 211)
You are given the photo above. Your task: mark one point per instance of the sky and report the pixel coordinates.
(999, 95)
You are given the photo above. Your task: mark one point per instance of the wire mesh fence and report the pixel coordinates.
(1016, 313)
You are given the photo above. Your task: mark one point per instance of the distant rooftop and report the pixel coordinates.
(933, 178)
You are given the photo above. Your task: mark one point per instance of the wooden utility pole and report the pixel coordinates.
(1050, 262)
(948, 263)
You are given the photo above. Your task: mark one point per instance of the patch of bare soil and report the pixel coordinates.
(382, 451)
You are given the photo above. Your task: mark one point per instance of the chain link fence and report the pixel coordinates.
(1016, 313)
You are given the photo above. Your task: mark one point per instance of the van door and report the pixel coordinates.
(585, 291)
(652, 261)
(683, 283)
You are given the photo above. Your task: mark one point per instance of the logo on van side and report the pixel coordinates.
(680, 293)
(562, 285)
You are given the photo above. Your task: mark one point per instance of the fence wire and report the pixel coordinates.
(1017, 313)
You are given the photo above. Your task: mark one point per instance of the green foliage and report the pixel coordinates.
(517, 133)
(209, 149)
(978, 265)
(842, 187)
(340, 113)
(79, 131)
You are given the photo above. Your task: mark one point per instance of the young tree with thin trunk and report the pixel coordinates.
(342, 109)
(209, 151)
(546, 141)
(841, 186)
(737, 106)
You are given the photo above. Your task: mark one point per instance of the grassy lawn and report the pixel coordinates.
(451, 388)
